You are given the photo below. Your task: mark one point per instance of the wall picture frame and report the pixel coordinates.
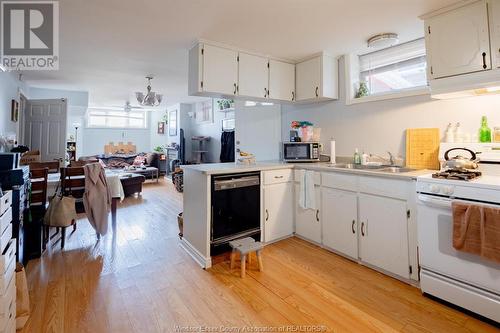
(14, 111)
(161, 127)
(172, 123)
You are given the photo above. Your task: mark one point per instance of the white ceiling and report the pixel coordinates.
(108, 46)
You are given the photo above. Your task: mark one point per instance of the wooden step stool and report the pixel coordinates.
(245, 246)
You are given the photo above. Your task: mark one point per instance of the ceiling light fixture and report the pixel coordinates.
(150, 98)
(383, 40)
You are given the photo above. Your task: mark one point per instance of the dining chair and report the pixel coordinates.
(38, 206)
(53, 166)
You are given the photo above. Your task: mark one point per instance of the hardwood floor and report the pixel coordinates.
(140, 280)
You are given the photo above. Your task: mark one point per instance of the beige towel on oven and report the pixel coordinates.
(476, 229)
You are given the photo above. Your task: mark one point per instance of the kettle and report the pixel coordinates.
(459, 161)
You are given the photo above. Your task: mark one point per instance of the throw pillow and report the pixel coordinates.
(139, 160)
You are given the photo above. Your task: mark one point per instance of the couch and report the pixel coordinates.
(118, 161)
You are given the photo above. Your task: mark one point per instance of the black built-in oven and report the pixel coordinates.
(235, 209)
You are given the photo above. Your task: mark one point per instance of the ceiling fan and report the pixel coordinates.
(127, 107)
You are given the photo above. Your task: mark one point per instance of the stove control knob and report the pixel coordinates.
(434, 188)
(448, 190)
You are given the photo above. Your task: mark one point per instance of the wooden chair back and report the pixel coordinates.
(81, 163)
(39, 187)
(73, 184)
(53, 166)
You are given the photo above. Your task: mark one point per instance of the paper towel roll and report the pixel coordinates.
(332, 151)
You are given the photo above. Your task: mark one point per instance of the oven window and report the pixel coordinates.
(297, 151)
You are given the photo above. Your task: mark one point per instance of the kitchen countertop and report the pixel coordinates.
(224, 168)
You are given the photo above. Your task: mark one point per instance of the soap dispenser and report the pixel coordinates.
(357, 157)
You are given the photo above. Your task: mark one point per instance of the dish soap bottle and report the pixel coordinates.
(357, 157)
(484, 131)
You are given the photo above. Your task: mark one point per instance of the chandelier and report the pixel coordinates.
(150, 98)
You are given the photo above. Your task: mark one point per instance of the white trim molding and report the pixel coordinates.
(203, 261)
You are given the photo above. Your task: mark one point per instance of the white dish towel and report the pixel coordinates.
(307, 197)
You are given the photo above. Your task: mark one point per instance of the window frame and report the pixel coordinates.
(107, 115)
(352, 79)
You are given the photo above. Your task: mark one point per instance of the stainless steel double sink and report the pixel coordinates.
(376, 168)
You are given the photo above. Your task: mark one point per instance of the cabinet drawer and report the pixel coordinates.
(5, 220)
(5, 202)
(277, 176)
(8, 302)
(8, 256)
(5, 238)
(340, 181)
(317, 177)
(7, 278)
(385, 187)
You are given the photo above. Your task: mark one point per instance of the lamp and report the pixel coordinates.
(151, 98)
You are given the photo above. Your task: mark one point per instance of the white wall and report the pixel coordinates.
(378, 127)
(212, 129)
(155, 138)
(9, 90)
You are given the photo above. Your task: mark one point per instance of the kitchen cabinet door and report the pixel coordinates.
(384, 233)
(253, 76)
(494, 10)
(457, 41)
(220, 70)
(308, 221)
(339, 220)
(281, 80)
(308, 80)
(278, 211)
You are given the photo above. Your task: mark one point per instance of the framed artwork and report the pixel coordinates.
(172, 123)
(205, 112)
(161, 127)
(14, 111)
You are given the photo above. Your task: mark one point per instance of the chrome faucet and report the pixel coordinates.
(391, 159)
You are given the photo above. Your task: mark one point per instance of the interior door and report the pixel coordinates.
(384, 233)
(308, 221)
(339, 220)
(308, 78)
(220, 70)
(278, 211)
(458, 41)
(252, 76)
(258, 131)
(281, 80)
(45, 127)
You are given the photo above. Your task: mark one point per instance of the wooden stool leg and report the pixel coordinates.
(233, 254)
(259, 259)
(243, 264)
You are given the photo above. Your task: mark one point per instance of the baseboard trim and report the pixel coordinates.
(195, 254)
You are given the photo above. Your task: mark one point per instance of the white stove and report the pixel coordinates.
(464, 279)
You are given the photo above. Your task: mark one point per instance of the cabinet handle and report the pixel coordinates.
(234, 92)
(362, 228)
(352, 226)
(278, 177)
(317, 92)
(267, 215)
(484, 60)
(293, 95)
(317, 215)
(266, 93)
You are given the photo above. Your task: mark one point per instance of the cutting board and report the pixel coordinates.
(422, 148)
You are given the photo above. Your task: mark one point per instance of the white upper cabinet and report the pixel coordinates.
(457, 41)
(213, 70)
(281, 81)
(253, 76)
(494, 10)
(317, 79)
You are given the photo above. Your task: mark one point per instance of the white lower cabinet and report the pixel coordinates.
(278, 210)
(308, 221)
(383, 236)
(340, 215)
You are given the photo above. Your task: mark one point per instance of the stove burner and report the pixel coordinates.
(457, 174)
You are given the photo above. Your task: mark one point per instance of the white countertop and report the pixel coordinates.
(223, 168)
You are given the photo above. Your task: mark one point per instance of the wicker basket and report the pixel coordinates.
(180, 223)
(178, 180)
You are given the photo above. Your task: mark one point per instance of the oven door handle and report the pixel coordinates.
(435, 202)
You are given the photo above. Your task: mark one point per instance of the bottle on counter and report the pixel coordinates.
(357, 157)
(458, 135)
(364, 159)
(484, 131)
(449, 135)
(496, 134)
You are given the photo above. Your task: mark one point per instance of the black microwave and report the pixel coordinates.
(301, 151)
